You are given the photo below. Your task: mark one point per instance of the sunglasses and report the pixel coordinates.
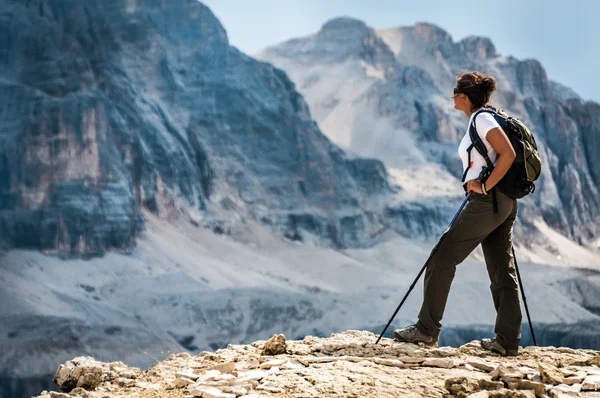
(456, 92)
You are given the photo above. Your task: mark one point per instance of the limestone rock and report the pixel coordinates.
(461, 385)
(479, 394)
(225, 367)
(344, 365)
(182, 382)
(186, 374)
(210, 392)
(503, 371)
(272, 363)
(550, 374)
(275, 345)
(591, 383)
(481, 365)
(595, 360)
(538, 388)
(246, 365)
(84, 372)
(446, 363)
(490, 385)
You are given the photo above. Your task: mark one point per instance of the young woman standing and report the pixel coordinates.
(487, 219)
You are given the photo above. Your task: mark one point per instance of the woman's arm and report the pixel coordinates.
(506, 155)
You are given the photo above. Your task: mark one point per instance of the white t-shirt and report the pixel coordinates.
(484, 123)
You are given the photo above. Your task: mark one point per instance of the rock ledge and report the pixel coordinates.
(347, 364)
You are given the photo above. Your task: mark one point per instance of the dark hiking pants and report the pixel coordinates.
(477, 224)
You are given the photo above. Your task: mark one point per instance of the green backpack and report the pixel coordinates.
(518, 181)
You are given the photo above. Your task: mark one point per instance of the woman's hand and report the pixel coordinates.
(475, 186)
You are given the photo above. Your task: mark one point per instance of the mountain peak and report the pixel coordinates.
(344, 24)
(338, 40)
(481, 47)
(431, 33)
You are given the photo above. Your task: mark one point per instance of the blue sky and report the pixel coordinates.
(563, 35)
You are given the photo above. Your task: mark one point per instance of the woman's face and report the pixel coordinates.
(461, 101)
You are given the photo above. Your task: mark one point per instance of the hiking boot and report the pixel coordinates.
(493, 346)
(412, 334)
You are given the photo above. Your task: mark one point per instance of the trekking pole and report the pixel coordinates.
(425, 266)
(524, 299)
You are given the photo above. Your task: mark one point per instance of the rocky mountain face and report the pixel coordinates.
(386, 93)
(132, 129)
(113, 107)
(347, 364)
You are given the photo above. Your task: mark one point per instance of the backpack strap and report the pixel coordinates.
(478, 144)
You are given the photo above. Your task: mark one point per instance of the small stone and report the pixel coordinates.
(186, 374)
(208, 375)
(411, 360)
(595, 360)
(445, 363)
(123, 382)
(255, 374)
(131, 373)
(577, 379)
(387, 362)
(210, 392)
(182, 382)
(246, 365)
(183, 355)
(225, 377)
(275, 345)
(293, 364)
(237, 390)
(482, 365)
(148, 386)
(58, 395)
(490, 385)
(506, 371)
(591, 383)
(526, 370)
(505, 393)
(224, 367)
(559, 394)
(524, 394)
(575, 388)
(536, 377)
(480, 394)
(461, 384)
(272, 363)
(550, 374)
(83, 372)
(538, 388)
(270, 389)
(567, 371)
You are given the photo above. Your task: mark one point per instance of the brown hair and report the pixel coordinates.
(477, 87)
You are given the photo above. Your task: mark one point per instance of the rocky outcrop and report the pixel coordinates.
(115, 107)
(347, 364)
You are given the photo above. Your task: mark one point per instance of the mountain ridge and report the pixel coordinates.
(397, 111)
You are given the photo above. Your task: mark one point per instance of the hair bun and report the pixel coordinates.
(477, 86)
(488, 84)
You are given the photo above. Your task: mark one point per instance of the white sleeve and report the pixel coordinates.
(484, 122)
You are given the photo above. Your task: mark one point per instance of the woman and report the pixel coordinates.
(487, 219)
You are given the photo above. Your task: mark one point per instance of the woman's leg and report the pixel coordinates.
(471, 227)
(497, 248)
